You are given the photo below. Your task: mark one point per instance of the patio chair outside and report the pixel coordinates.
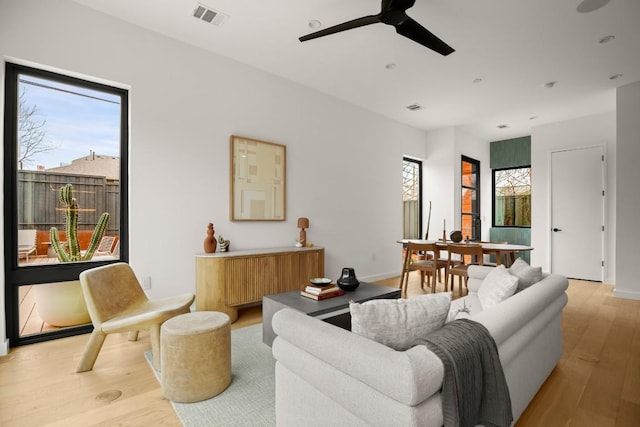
(26, 243)
(105, 246)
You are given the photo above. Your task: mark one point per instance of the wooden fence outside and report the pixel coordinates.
(411, 220)
(39, 206)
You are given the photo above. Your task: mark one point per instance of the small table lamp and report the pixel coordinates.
(302, 224)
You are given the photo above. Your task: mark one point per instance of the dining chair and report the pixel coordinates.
(457, 263)
(425, 258)
(116, 303)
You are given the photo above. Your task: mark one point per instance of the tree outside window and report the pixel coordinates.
(411, 198)
(512, 197)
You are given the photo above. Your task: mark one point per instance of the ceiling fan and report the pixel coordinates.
(393, 12)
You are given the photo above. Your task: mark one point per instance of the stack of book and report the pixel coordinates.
(321, 292)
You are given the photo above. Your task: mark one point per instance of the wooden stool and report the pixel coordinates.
(195, 356)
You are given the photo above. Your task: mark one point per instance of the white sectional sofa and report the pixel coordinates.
(327, 376)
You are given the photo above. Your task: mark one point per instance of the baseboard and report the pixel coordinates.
(626, 294)
(376, 277)
(4, 347)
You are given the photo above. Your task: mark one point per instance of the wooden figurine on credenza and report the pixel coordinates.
(210, 242)
(303, 224)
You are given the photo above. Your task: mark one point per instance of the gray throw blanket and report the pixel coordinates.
(474, 390)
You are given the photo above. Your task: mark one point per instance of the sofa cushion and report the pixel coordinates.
(526, 274)
(497, 287)
(464, 308)
(397, 322)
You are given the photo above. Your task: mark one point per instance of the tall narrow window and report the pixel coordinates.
(512, 197)
(412, 198)
(470, 200)
(60, 133)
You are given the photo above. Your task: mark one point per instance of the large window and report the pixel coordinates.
(412, 198)
(512, 197)
(60, 131)
(470, 200)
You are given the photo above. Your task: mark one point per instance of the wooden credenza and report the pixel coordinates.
(227, 280)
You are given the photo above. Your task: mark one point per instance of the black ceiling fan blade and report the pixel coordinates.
(355, 23)
(416, 32)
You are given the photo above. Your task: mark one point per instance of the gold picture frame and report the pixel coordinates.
(258, 180)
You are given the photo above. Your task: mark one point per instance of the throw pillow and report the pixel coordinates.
(496, 287)
(526, 274)
(398, 322)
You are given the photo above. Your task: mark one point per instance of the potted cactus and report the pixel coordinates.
(70, 252)
(62, 303)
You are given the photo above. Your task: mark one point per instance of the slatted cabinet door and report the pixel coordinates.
(225, 281)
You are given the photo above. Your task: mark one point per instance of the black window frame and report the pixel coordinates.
(420, 192)
(493, 196)
(477, 220)
(16, 276)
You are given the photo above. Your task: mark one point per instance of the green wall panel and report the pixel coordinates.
(511, 153)
(516, 236)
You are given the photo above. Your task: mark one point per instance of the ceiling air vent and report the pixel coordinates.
(414, 107)
(207, 14)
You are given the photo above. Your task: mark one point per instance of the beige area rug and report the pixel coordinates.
(250, 398)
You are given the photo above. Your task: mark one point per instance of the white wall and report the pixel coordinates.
(442, 184)
(628, 198)
(344, 164)
(596, 130)
(478, 149)
(439, 180)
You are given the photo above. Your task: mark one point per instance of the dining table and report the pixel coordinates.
(506, 251)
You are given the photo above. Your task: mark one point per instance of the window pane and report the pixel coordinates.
(50, 307)
(470, 199)
(467, 226)
(512, 197)
(469, 174)
(67, 134)
(411, 198)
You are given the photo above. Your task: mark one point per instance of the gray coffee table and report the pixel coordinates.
(333, 310)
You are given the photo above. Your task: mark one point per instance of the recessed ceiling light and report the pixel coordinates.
(314, 24)
(549, 85)
(590, 5)
(615, 77)
(502, 126)
(478, 80)
(390, 66)
(606, 39)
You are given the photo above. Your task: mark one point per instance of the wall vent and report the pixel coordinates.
(414, 107)
(207, 14)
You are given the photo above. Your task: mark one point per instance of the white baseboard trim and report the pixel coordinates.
(626, 294)
(382, 276)
(4, 347)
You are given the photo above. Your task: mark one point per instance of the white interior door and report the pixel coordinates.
(577, 213)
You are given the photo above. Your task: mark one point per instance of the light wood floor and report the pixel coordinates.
(596, 383)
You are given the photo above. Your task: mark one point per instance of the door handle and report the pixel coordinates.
(555, 230)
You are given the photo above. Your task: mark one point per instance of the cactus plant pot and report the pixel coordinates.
(61, 304)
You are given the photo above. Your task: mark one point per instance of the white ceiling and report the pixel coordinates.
(514, 46)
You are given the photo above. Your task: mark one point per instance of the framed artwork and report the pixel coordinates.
(258, 180)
